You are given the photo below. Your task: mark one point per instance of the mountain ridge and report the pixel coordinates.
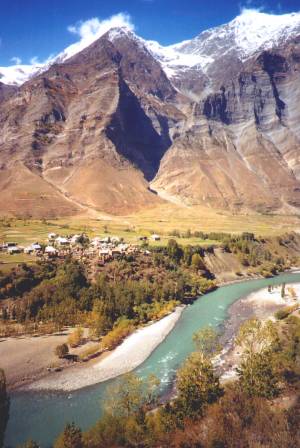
(108, 129)
(251, 23)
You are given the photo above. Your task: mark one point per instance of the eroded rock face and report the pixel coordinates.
(241, 149)
(107, 128)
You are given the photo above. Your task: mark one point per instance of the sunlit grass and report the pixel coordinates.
(163, 221)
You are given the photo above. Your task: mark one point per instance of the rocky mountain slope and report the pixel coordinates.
(126, 123)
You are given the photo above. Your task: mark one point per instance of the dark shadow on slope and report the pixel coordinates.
(274, 64)
(134, 136)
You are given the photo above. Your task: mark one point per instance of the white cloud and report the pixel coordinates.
(34, 60)
(91, 29)
(250, 8)
(16, 60)
(94, 28)
(88, 31)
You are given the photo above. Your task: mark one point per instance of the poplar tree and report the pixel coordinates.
(4, 407)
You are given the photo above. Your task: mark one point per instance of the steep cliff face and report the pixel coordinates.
(242, 146)
(213, 121)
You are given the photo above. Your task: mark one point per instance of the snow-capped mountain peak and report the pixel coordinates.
(18, 74)
(250, 32)
(120, 32)
(255, 30)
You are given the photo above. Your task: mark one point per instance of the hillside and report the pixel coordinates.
(127, 124)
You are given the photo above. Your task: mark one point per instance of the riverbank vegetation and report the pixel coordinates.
(135, 290)
(260, 409)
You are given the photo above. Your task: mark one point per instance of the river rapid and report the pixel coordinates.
(41, 416)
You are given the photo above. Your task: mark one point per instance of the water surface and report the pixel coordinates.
(42, 416)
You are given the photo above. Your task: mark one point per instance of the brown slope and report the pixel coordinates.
(81, 126)
(24, 193)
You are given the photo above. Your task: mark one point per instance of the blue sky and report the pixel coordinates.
(38, 28)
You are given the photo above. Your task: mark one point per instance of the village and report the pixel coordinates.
(80, 247)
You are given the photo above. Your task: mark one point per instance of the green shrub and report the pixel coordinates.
(285, 312)
(61, 350)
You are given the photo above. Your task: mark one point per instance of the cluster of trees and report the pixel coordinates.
(76, 337)
(216, 236)
(253, 252)
(122, 329)
(264, 256)
(23, 278)
(4, 407)
(173, 255)
(60, 292)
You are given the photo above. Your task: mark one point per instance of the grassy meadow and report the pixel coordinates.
(163, 221)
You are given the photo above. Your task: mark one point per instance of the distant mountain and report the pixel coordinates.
(126, 123)
(244, 36)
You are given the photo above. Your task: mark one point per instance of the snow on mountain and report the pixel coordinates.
(173, 60)
(255, 30)
(248, 33)
(170, 59)
(18, 74)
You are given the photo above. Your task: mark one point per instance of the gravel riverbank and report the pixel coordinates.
(133, 351)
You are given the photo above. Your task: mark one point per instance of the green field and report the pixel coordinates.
(163, 221)
(25, 232)
(7, 262)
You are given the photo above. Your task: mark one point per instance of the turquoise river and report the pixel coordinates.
(42, 416)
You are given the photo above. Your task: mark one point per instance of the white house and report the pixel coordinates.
(52, 236)
(28, 250)
(14, 249)
(104, 252)
(62, 241)
(75, 239)
(155, 237)
(122, 247)
(36, 247)
(96, 241)
(50, 250)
